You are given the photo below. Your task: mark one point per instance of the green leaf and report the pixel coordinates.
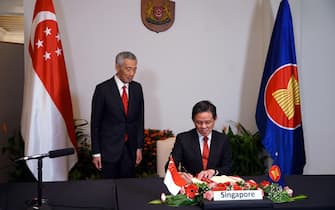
(155, 202)
(179, 200)
(248, 152)
(298, 197)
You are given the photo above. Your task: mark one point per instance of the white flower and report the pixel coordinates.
(289, 191)
(163, 197)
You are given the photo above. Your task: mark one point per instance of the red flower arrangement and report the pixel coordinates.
(194, 193)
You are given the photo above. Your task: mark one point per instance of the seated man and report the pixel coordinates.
(202, 151)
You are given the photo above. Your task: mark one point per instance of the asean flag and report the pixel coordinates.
(47, 118)
(172, 180)
(278, 113)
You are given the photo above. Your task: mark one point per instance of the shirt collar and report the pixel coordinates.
(201, 136)
(119, 83)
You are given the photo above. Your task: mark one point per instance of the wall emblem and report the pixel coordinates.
(157, 15)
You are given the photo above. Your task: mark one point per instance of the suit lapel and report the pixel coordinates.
(213, 150)
(130, 97)
(196, 148)
(116, 94)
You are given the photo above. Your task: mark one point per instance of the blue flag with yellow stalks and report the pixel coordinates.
(278, 113)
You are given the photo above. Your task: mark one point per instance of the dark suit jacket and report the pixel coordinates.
(109, 123)
(186, 151)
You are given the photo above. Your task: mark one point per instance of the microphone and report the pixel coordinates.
(50, 154)
(61, 152)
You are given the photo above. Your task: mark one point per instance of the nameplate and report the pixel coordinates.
(237, 195)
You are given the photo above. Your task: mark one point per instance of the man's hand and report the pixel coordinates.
(97, 162)
(138, 156)
(209, 173)
(187, 176)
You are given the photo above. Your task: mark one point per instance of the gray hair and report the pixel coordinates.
(119, 60)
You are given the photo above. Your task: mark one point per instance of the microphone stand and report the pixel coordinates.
(39, 182)
(40, 203)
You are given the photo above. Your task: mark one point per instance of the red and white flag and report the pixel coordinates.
(173, 181)
(47, 117)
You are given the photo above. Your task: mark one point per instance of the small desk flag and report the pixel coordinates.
(173, 181)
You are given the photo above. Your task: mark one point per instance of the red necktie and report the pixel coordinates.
(125, 105)
(205, 153)
(125, 99)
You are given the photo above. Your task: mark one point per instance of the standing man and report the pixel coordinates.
(202, 151)
(117, 121)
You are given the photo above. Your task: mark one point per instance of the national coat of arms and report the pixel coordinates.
(157, 15)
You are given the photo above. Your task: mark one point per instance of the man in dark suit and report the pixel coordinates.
(198, 157)
(117, 121)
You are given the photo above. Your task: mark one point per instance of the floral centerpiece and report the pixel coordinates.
(193, 193)
(196, 192)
